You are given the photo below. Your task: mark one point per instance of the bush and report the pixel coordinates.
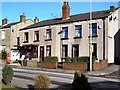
(7, 74)
(80, 82)
(51, 59)
(42, 82)
(82, 59)
(3, 54)
(67, 59)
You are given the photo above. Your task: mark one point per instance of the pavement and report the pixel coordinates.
(109, 70)
(24, 77)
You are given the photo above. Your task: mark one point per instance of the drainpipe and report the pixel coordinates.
(103, 38)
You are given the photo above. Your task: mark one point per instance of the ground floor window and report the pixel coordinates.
(75, 50)
(64, 51)
(48, 50)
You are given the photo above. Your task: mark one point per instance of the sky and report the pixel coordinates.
(47, 10)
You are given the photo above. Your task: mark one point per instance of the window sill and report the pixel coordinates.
(36, 41)
(64, 38)
(25, 42)
(93, 36)
(48, 40)
(77, 37)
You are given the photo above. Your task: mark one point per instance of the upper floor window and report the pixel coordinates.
(26, 37)
(48, 34)
(94, 29)
(65, 32)
(3, 34)
(36, 34)
(78, 30)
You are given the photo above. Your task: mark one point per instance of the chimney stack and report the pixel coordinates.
(4, 21)
(112, 9)
(22, 18)
(36, 20)
(65, 10)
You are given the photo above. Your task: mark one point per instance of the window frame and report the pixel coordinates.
(26, 37)
(94, 27)
(79, 30)
(64, 32)
(64, 51)
(36, 38)
(48, 34)
(48, 46)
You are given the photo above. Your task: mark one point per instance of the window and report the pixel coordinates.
(26, 36)
(3, 34)
(75, 51)
(48, 34)
(48, 50)
(94, 29)
(64, 51)
(78, 30)
(36, 34)
(65, 32)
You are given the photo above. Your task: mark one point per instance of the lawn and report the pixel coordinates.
(9, 87)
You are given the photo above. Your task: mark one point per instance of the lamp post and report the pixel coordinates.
(90, 34)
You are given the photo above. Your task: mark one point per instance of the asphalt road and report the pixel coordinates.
(25, 78)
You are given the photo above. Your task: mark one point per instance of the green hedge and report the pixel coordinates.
(51, 59)
(81, 59)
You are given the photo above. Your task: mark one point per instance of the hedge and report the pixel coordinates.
(51, 59)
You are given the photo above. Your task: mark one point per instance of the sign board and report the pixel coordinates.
(15, 54)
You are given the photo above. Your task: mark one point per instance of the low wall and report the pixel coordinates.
(75, 66)
(32, 63)
(49, 65)
(100, 65)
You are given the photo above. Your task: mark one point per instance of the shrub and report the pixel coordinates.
(3, 54)
(7, 74)
(42, 82)
(51, 59)
(67, 59)
(80, 82)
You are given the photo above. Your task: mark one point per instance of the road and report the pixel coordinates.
(25, 78)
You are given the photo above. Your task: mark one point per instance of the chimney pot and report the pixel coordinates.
(4, 21)
(112, 9)
(22, 18)
(36, 20)
(65, 10)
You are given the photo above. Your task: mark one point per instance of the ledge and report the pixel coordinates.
(77, 37)
(25, 42)
(93, 36)
(64, 38)
(48, 40)
(36, 41)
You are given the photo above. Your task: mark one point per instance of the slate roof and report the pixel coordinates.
(73, 18)
(9, 25)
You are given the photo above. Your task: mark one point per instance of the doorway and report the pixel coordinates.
(94, 50)
(117, 48)
(41, 53)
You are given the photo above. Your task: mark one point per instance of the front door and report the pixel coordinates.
(94, 50)
(75, 50)
(41, 53)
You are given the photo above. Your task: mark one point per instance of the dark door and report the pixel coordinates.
(117, 48)
(94, 50)
(41, 53)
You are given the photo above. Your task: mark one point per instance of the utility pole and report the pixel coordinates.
(90, 34)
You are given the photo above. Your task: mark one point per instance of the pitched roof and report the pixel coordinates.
(9, 25)
(73, 18)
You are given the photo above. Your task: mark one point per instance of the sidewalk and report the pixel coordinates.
(103, 72)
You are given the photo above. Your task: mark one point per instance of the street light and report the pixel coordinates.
(90, 34)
